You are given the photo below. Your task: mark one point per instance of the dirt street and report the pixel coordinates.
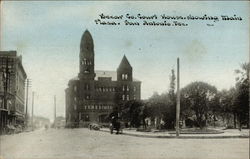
(86, 144)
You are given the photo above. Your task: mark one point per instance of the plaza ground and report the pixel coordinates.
(85, 144)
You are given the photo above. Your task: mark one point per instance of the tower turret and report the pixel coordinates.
(124, 71)
(86, 57)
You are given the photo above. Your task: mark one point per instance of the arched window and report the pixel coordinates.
(126, 76)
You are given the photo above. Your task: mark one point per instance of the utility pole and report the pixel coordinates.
(178, 99)
(55, 109)
(32, 111)
(27, 98)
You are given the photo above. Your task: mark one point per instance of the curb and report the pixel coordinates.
(182, 137)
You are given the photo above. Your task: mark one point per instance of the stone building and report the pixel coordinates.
(92, 95)
(12, 89)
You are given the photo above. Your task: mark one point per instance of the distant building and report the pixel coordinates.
(59, 122)
(12, 89)
(40, 122)
(92, 95)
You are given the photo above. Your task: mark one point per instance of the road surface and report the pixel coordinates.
(85, 144)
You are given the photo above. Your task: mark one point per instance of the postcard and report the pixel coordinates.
(124, 79)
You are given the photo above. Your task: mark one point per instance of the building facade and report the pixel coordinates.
(93, 94)
(12, 89)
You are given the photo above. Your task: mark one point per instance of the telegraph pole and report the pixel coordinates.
(55, 109)
(32, 111)
(178, 99)
(27, 98)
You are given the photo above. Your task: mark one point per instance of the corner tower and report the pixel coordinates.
(86, 57)
(124, 71)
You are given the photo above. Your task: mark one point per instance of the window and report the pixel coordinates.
(79, 115)
(86, 86)
(127, 97)
(124, 76)
(123, 88)
(134, 97)
(75, 107)
(84, 61)
(87, 96)
(134, 88)
(87, 118)
(127, 88)
(123, 97)
(75, 88)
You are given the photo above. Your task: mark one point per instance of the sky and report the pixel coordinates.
(47, 34)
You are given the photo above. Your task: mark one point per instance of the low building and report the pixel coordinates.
(40, 122)
(59, 122)
(12, 89)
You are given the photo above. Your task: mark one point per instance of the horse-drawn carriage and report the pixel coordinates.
(117, 126)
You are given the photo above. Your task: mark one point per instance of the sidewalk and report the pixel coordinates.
(230, 133)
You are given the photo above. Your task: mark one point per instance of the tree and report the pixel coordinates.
(162, 106)
(242, 94)
(169, 116)
(131, 112)
(226, 105)
(197, 99)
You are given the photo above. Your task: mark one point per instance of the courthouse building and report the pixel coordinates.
(12, 89)
(92, 95)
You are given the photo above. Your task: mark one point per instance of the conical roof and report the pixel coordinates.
(124, 63)
(87, 40)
